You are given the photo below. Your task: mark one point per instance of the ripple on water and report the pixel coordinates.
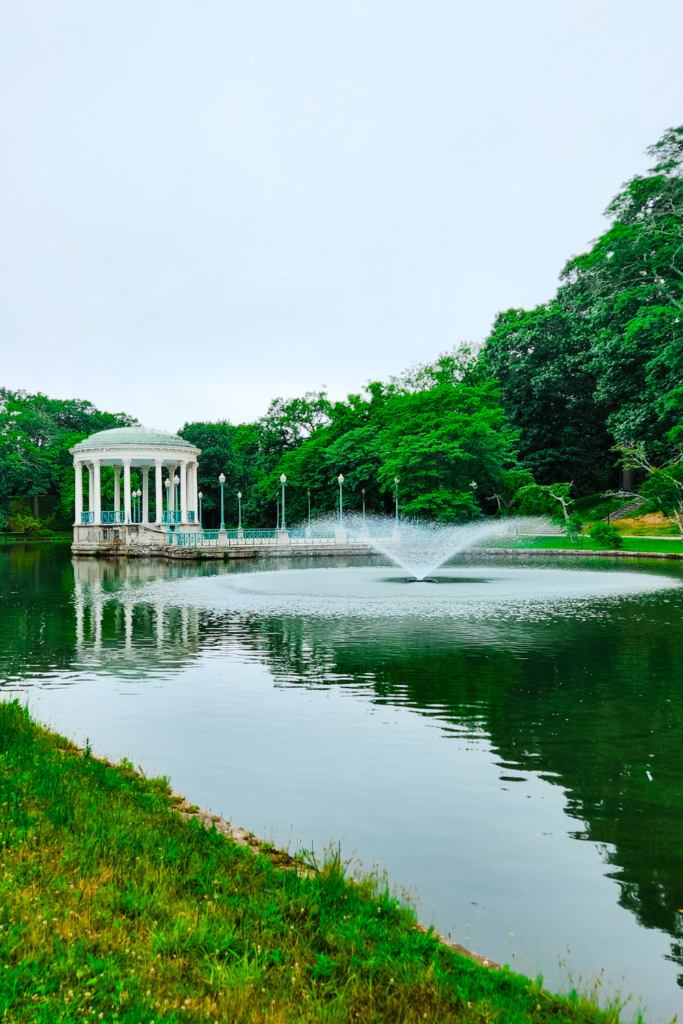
(473, 592)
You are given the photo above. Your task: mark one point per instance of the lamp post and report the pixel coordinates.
(309, 507)
(283, 481)
(277, 513)
(176, 484)
(200, 496)
(167, 485)
(137, 505)
(239, 505)
(340, 480)
(363, 493)
(396, 482)
(221, 481)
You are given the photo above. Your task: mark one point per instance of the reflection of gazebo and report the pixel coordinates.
(142, 449)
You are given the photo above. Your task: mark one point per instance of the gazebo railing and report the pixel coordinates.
(256, 536)
(198, 539)
(113, 517)
(302, 536)
(87, 517)
(171, 516)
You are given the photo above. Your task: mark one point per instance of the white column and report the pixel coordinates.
(192, 489)
(91, 488)
(145, 494)
(78, 468)
(126, 490)
(97, 506)
(183, 491)
(159, 488)
(117, 488)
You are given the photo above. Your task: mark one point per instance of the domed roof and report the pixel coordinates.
(134, 437)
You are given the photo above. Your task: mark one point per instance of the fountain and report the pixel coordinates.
(338, 590)
(421, 547)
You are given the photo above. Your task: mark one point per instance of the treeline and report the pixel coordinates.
(569, 399)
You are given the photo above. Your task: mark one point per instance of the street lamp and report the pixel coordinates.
(137, 516)
(396, 481)
(167, 485)
(176, 502)
(309, 508)
(221, 481)
(239, 502)
(283, 481)
(340, 480)
(363, 493)
(200, 496)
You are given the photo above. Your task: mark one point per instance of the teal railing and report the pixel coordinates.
(87, 517)
(112, 517)
(197, 539)
(171, 516)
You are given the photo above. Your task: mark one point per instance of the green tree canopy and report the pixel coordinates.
(36, 433)
(603, 360)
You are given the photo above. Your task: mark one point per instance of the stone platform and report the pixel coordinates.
(152, 541)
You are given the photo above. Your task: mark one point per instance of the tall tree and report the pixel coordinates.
(603, 361)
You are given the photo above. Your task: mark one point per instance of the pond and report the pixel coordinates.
(507, 743)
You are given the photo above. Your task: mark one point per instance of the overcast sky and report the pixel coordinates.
(207, 204)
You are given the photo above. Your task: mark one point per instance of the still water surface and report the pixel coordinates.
(517, 765)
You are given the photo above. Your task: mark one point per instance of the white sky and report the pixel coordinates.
(204, 205)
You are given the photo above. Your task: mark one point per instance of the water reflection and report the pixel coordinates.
(592, 704)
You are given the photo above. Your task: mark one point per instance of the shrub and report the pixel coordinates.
(574, 527)
(20, 523)
(605, 536)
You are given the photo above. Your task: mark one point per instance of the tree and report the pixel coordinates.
(439, 427)
(542, 362)
(234, 452)
(663, 485)
(36, 433)
(603, 360)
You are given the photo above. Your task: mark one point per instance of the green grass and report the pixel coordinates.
(664, 544)
(115, 908)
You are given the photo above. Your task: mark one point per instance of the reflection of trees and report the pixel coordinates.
(36, 615)
(593, 707)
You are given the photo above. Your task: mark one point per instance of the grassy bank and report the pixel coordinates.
(115, 908)
(660, 544)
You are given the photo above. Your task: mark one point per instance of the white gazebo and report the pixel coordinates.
(174, 464)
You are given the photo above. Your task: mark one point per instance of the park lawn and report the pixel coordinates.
(660, 544)
(115, 908)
